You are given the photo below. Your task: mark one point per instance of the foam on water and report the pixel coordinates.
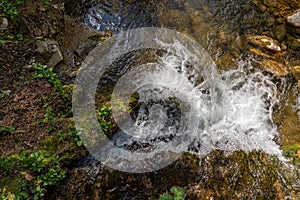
(233, 110)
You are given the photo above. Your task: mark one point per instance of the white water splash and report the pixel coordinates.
(233, 109)
(185, 105)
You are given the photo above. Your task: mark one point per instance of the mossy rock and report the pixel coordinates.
(292, 152)
(237, 176)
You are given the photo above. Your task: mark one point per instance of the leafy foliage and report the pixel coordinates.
(103, 113)
(39, 170)
(43, 71)
(6, 130)
(10, 7)
(177, 193)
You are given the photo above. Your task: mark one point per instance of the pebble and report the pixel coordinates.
(296, 72)
(280, 32)
(294, 19)
(3, 23)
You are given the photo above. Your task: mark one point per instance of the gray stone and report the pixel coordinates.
(51, 48)
(3, 23)
(294, 19)
(85, 47)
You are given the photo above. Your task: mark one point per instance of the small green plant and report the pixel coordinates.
(9, 7)
(6, 130)
(46, 2)
(41, 169)
(49, 117)
(50, 178)
(75, 136)
(103, 117)
(5, 93)
(2, 42)
(177, 193)
(43, 71)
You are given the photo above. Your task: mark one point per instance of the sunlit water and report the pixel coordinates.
(234, 108)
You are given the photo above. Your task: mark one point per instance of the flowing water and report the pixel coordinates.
(234, 102)
(235, 106)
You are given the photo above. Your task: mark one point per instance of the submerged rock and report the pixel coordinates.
(294, 19)
(265, 43)
(268, 63)
(275, 67)
(296, 72)
(280, 32)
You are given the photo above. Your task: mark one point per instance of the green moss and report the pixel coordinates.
(293, 152)
(51, 143)
(6, 130)
(33, 173)
(13, 188)
(101, 36)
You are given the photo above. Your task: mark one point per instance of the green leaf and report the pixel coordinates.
(166, 197)
(46, 2)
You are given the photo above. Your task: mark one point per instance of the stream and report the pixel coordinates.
(205, 99)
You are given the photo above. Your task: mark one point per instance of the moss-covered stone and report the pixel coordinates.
(237, 176)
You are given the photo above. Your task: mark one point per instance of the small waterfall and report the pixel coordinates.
(184, 104)
(233, 108)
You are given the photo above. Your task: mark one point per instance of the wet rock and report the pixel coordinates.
(269, 64)
(86, 46)
(240, 176)
(265, 43)
(295, 44)
(3, 23)
(275, 67)
(294, 19)
(258, 52)
(280, 32)
(217, 176)
(296, 72)
(270, 3)
(95, 181)
(270, 22)
(50, 51)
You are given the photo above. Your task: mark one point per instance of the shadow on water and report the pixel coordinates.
(115, 15)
